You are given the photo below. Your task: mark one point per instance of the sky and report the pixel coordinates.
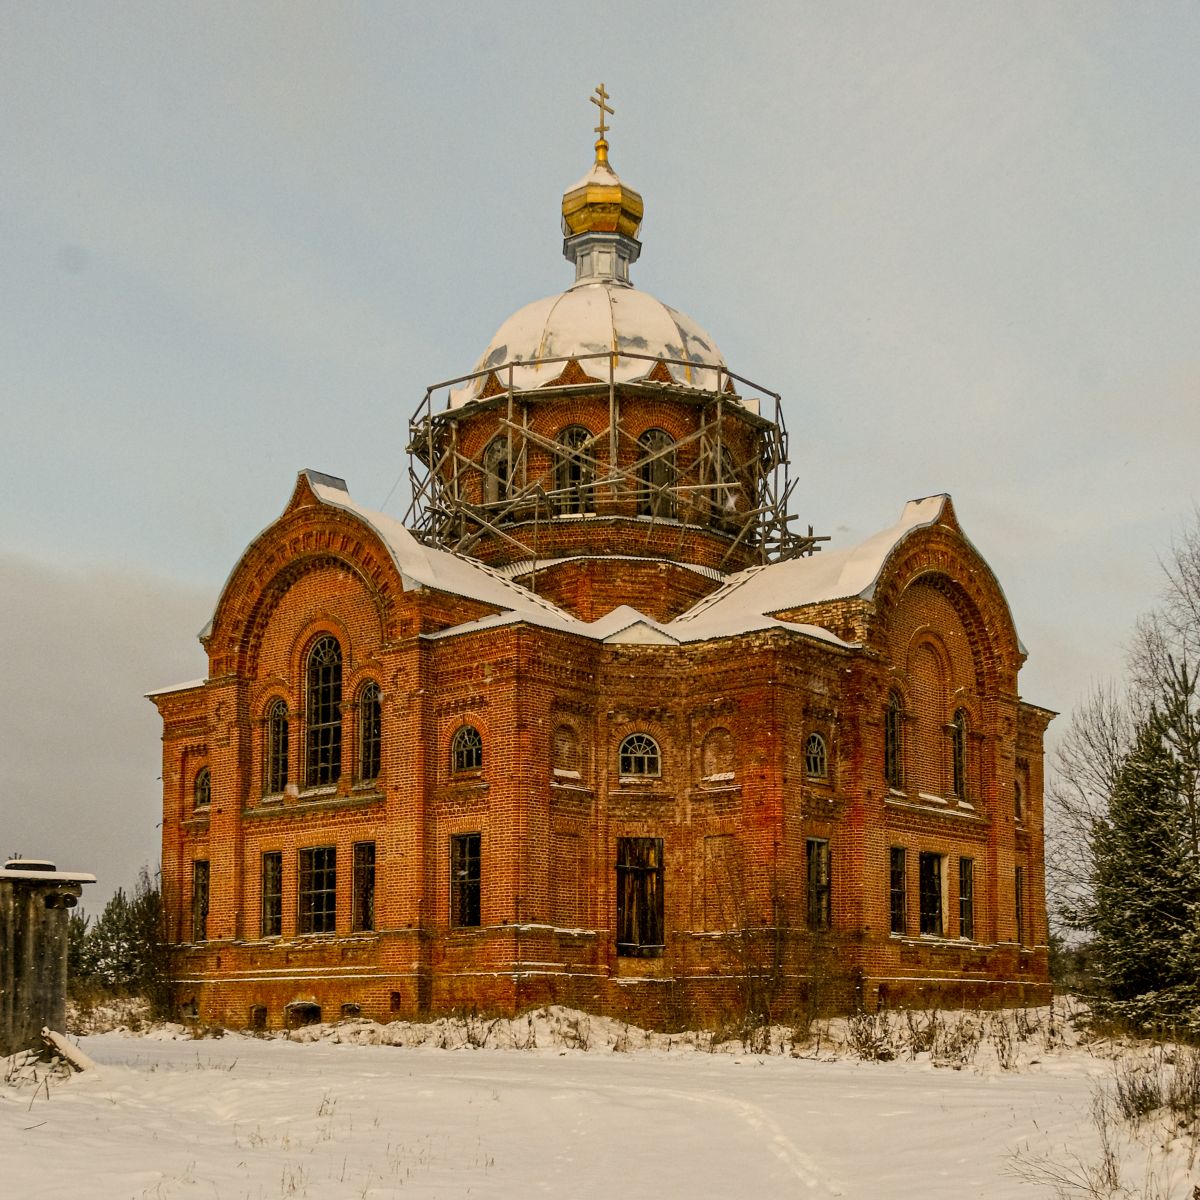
(241, 240)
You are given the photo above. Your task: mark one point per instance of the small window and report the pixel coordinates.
(639, 755)
(1019, 904)
(200, 900)
(258, 1017)
(362, 917)
(816, 761)
(931, 870)
(640, 897)
(656, 474)
(574, 471)
(370, 732)
(966, 898)
(466, 750)
(465, 880)
(324, 715)
(958, 755)
(818, 889)
(276, 757)
(202, 789)
(893, 749)
(317, 890)
(272, 893)
(898, 886)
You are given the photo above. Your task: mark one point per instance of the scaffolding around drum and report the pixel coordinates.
(699, 480)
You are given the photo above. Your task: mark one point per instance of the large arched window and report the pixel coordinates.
(958, 755)
(323, 760)
(276, 755)
(497, 469)
(893, 741)
(370, 731)
(202, 789)
(466, 750)
(639, 755)
(656, 474)
(573, 471)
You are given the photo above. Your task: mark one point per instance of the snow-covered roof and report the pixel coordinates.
(176, 687)
(46, 876)
(597, 317)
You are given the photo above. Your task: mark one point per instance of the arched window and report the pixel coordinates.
(893, 745)
(656, 474)
(816, 761)
(466, 750)
(724, 494)
(573, 471)
(497, 464)
(276, 756)
(640, 756)
(958, 754)
(370, 731)
(323, 761)
(202, 789)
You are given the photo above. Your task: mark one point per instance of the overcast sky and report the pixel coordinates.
(239, 240)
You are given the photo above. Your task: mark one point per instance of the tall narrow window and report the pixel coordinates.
(958, 755)
(1018, 801)
(931, 868)
(640, 897)
(639, 756)
(816, 762)
(656, 474)
(202, 789)
(199, 900)
(466, 750)
(893, 725)
(317, 890)
(277, 748)
(726, 489)
(465, 874)
(1019, 904)
(272, 893)
(573, 471)
(966, 898)
(324, 714)
(898, 889)
(497, 468)
(816, 851)
(370, 732)
(362, 916)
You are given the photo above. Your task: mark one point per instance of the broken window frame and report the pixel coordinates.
(466, 880)
(966, 898)
(323, 713)
(316, 890)
(370, 732)
(640, 908)
(362, 888)
(271, 901)
(1019, 904)
(818, 888)
(639, 757)
(574, 474)
(202, 789)
(496, 464)
(200, 899)
(931, 882)
(898, 889)
(466, 750)
(816, 757)
(958, 755)
(657, 475)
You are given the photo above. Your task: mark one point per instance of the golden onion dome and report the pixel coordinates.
(600, 202)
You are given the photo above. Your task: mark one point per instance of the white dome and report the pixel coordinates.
(597, 317)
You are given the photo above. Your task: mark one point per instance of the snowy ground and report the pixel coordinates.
(631, 1115)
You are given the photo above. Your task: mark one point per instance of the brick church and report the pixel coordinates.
(596, 724)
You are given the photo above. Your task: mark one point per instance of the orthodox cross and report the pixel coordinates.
(600, 101)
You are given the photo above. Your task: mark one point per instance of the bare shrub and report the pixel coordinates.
(1138, 1089)
(870, 1036)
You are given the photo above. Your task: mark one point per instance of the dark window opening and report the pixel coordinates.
(1018, 801)
(898, 888)
(317, 890)
(497, 470)
(639, 755)
(573, 471)
(300, 1013)
(258, 1017)
(640, 897)
(893, 767)
(958, 755)
(272, 893)
(370, 732)
(466, 751)
(202, 789)
(656, 474)
(1019, 904)
(966, 898)
(932, 922)
(465, 880)
(818, 888)
(351, 1010)
(816, 761)
(363, 914)
(277, 748)
(324, 713)
(199, 900)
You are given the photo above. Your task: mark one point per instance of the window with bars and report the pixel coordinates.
(932, 868)
(966, 898)
(276, 757)
(465, 880)
(466, 750)
(816, 853)
(893, 741)
(317, 890)
(272, 893)
(573, 471)
(816, 760)
(324, 713)
(370, 732)
(202, 788)
(656, 474)
(898, 888)
(362, 914)
(200, 900)
(958, 755)
(640, 897)
(639, 755)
